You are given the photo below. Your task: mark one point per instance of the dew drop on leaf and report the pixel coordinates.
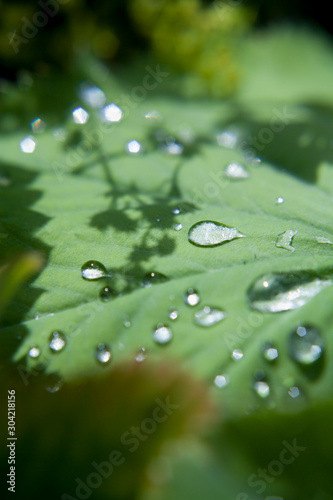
(279, 200)
(133, 147)
(103, 353)
(28, 145)
(80, 116)
(92, 95)
(237, 354)
(53, 383)
(38, 126)
(34, 352)
(162, 334)
(176, 211)
(57, 341)
(93, 270)
(306, 344)
(208, 316)
(191, 297)
(153, 278)
(323, 239)
(173, 313)
(294, 392)
(178, 227)
(210, 233)
(106, 294)
(270, 352)
(276, 292)
(236, 171)
(221, 380)
(285, 240)
(112, 113)
(261, 387)
(141, 355)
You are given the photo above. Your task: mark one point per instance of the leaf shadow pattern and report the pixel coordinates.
(18, 223)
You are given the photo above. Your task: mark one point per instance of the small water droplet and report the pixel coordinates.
(92, 95)
(306, 344)
(93, 270)
(53, 383)
(80, 116)
(208, 316)
(57, 341)
(106, 294)
(323, 239)
(28, 145)
(221, 380)
(34, 352)
(127, 323)
(210, 233)
(172, 147)
(141, 355)
(103, 353)
(236, 171)
(176, 211)
(228, 138)
(133, 147)
(153, 278)
(270, 352)
(191, 297)
(237, 354)
(279, 200)
(38, 126)
(162, 334)
(261, 387)
(173, 313)
(276, 292)
(112, 113)
(294, 392)
(153, 115)
(178, 227)
(285, 240)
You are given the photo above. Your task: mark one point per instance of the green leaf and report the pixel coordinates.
(117, 208)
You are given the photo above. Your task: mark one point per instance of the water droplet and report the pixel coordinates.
(322, 239)
(38, 126)
(103, 353)
(191, 297)
(53, 383)
(285, 239)
(153, 115)
(210, 233)
(228, 138)
(92, 95)
(270, 352)
(126, 322)
(277, 292)
(112, 113)
(176, 211)
(28, 145)
(153, 278)
(34, 352)
(173, 313)
(80, 116)
(236, 171)
(133, 147)
(178, 227)
(261, 388)
(141, 355)
(208, 316)
(279, 200)
(57, 341)
(237, 354)
(306, 344)
(162, 334)
(172, 147)
(294, 392)
(106, 294)
(93, 270)
(221, 380)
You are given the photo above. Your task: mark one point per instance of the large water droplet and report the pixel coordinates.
(153, 278)
(236, 171)
(270, 352)
(221, 380)
(34, 352)
(93, 270)
(28, 145)
(191, 297)
(209, 233)
(106, 294)
(285, 240)
(162, 334)
(57, 341)
(208, 316)
(277, 292)
(306, 344)
(103, 353)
